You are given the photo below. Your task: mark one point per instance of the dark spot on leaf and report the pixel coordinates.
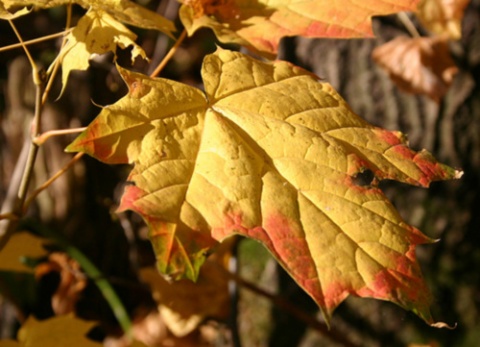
(130, 183)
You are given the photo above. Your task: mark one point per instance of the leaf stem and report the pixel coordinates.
(56, 63)
(51, 180)
(27, 52)
(105, 288)
(407, 22)
(170, 54)
(41, 139)
(34, 41)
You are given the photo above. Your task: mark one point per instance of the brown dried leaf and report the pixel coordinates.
(418, 65)
(185, 304)
(72, 281)
(443, 16)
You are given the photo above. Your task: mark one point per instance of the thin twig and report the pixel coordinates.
(35, 74)
(34, 41)
(7, 225)
(41, 139)
(407, 22)
(38, 79)
(56, 63)
(170, 54)
(51, 180)
(8, 215)
(32, 156)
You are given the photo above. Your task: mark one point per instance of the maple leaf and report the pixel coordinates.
(443, 17)
(96, 33)
(418, 65)
(122, 10)
(58, 331)
(270, 153)
(261, 24)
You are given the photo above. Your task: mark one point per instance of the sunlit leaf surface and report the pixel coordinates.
(96, 33)
(7, 15)
(123, 10)
(271, 153)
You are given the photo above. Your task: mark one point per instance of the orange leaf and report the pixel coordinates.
(261, 24)
(418, 65)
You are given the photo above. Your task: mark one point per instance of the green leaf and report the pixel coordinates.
(261, 24)
(271, 153)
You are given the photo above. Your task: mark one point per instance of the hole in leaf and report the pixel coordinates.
(364, 178)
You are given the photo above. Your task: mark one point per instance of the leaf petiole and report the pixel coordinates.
(407, 22)
(41, 139)
(34, 41)
(51, 180)
(56, 64)
(170, 54)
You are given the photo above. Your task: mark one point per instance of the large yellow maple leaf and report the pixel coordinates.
(261, 24)
(270, 153)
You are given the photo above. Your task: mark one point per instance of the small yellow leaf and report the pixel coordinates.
(21, 244)
(122, 10)
(59, 331)
(7, 15)
(131, 13)
(96, 33)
